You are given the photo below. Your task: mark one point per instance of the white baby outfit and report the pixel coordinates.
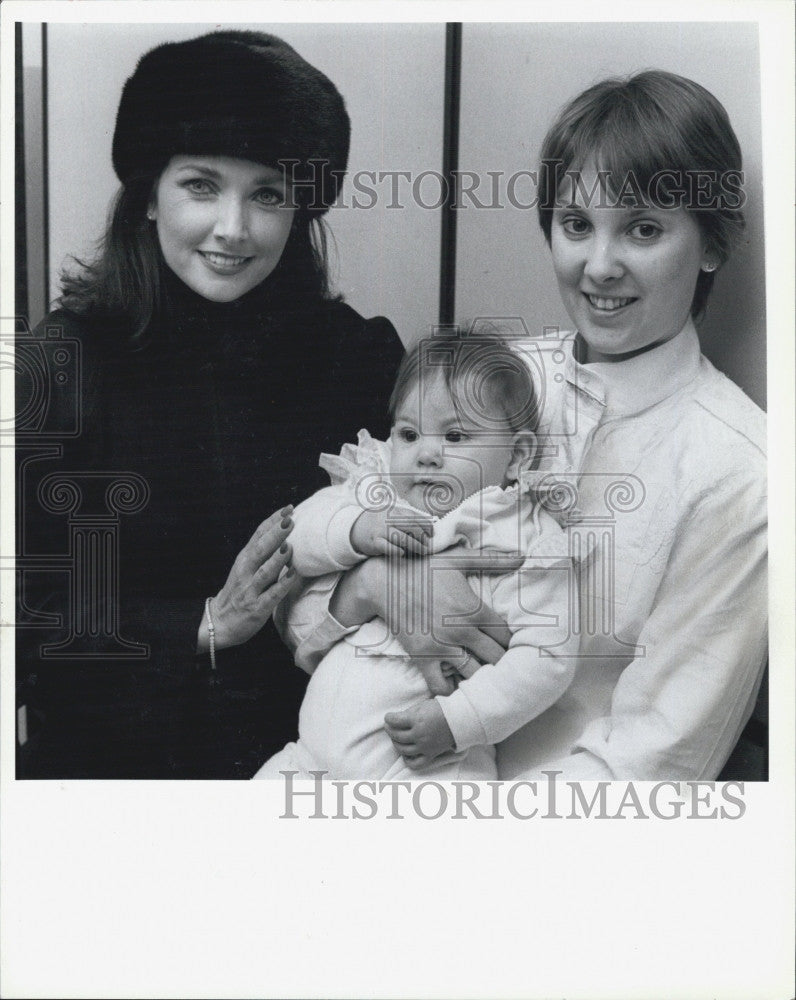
(367, 674)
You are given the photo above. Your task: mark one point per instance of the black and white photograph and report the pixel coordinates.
(396, 410)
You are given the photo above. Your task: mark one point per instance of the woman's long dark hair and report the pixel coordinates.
(126, 279)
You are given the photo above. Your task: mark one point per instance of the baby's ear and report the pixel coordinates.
(522, 455)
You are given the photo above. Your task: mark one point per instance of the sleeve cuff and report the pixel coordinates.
(338, 537)
(328, 632)
(462, 721)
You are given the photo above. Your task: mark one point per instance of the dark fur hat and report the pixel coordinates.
(235, 93)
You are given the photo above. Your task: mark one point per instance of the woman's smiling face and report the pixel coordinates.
(626, 275)
(222, 223)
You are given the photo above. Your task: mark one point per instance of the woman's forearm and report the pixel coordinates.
(355, 599)
(405, 600)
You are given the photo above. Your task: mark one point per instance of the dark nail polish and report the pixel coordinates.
(283, 548)
(286, 523)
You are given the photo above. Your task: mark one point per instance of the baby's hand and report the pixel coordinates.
(400, 531)
(420, 734)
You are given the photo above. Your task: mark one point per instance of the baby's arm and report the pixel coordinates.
(400, 531)
(322, 548)
(497, 699)
(533, 673)
(321, 536)
(332, 532)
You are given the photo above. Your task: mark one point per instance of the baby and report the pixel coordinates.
(454, 476)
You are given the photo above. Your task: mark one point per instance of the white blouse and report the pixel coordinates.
(665, 458)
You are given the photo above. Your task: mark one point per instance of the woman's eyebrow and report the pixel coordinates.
(277, 177)
(197, 168)
(619, 211)
(646, 209)
(275, 180)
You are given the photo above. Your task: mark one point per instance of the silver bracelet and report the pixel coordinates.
(211, 632)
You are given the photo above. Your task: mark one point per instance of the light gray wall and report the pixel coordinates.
(34, 262)
(392, 79)
(514, 79)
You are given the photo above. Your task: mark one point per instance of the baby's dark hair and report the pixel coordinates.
(493, 384)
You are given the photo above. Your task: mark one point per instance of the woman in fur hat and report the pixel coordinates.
(213, 360)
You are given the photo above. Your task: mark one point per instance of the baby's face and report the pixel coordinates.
(440, 456)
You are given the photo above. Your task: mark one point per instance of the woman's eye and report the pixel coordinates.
(269, 197)
(199, 185)
(645, 231)
(407, 434)
(574, 225)
(455, 436)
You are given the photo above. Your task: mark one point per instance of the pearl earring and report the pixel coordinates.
(150, 215)
(708, 267)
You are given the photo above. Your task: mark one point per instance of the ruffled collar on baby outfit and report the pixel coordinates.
(512, 519)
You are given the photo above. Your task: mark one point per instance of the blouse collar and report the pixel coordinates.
(628, 387)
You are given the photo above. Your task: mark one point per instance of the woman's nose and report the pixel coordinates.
(603, 260)
(231, 220)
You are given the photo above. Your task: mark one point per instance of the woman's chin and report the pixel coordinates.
(223, 289)
(211, 284)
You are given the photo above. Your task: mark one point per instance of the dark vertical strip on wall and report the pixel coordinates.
(450, 164)
(21, 306)
(45, 131)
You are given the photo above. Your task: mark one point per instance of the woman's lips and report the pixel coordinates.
(223, 263)
(608, 304)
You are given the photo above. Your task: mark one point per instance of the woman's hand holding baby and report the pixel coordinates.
(400, 531)
(420, 734)
(436, 619)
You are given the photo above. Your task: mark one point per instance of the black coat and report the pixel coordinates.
(220, 419)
